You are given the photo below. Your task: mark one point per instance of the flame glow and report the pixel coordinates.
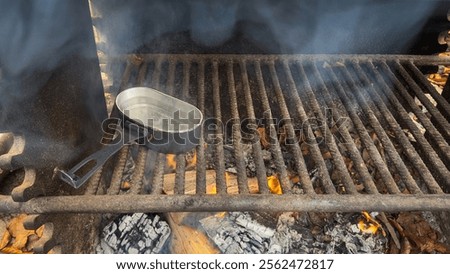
(220, 214)
(171, 161)
(211, 189)
(370, 225)
(274, 185)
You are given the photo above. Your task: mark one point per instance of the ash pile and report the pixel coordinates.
(138, 233)
(313, 233)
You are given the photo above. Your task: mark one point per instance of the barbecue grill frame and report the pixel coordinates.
(97, 202)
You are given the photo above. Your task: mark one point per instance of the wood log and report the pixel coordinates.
(190, 181)
(186, 239)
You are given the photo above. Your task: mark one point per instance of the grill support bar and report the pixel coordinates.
(241, 202)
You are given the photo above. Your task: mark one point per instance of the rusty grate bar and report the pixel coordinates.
(200, 186)
(256, 146)
(339, 133)
(218, 143)
(245, 202)
(236, 132)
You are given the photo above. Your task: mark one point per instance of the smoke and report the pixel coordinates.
(290, 26)
(47, 59)
(35, 35)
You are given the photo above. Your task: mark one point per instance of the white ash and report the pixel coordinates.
(238, 233)
(138, 233)
(232, 170)
(418, 125)
(249, 160)
(281, 242)
(346, 238)
(250, 164)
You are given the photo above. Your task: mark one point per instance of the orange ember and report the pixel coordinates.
(367, 228)
(274, 185)
(370, 225)
(220, 214)
(211, 189)
(171, 161)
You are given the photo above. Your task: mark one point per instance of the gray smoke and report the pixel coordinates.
(289, 26)
(35, 36)
(48, 62)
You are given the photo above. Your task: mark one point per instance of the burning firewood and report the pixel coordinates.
(190, 181)
(186, 239)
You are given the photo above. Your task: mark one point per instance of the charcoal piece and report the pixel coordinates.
(134, 234)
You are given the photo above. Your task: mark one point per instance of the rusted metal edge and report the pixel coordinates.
(416, 59)
(214, 203)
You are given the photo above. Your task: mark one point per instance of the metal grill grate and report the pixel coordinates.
(342, 133)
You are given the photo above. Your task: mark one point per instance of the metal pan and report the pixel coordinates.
(161, 122)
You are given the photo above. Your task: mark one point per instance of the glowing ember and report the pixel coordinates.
(171, 161)
(211, 189)
(274, 185)
(294, 179)
(220, 214)
(367, 228)
(370, 225)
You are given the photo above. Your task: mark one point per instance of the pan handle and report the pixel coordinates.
(99, 158)
(130, 133)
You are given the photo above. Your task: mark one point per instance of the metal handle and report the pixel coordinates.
(99, 157)
(130, 134)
